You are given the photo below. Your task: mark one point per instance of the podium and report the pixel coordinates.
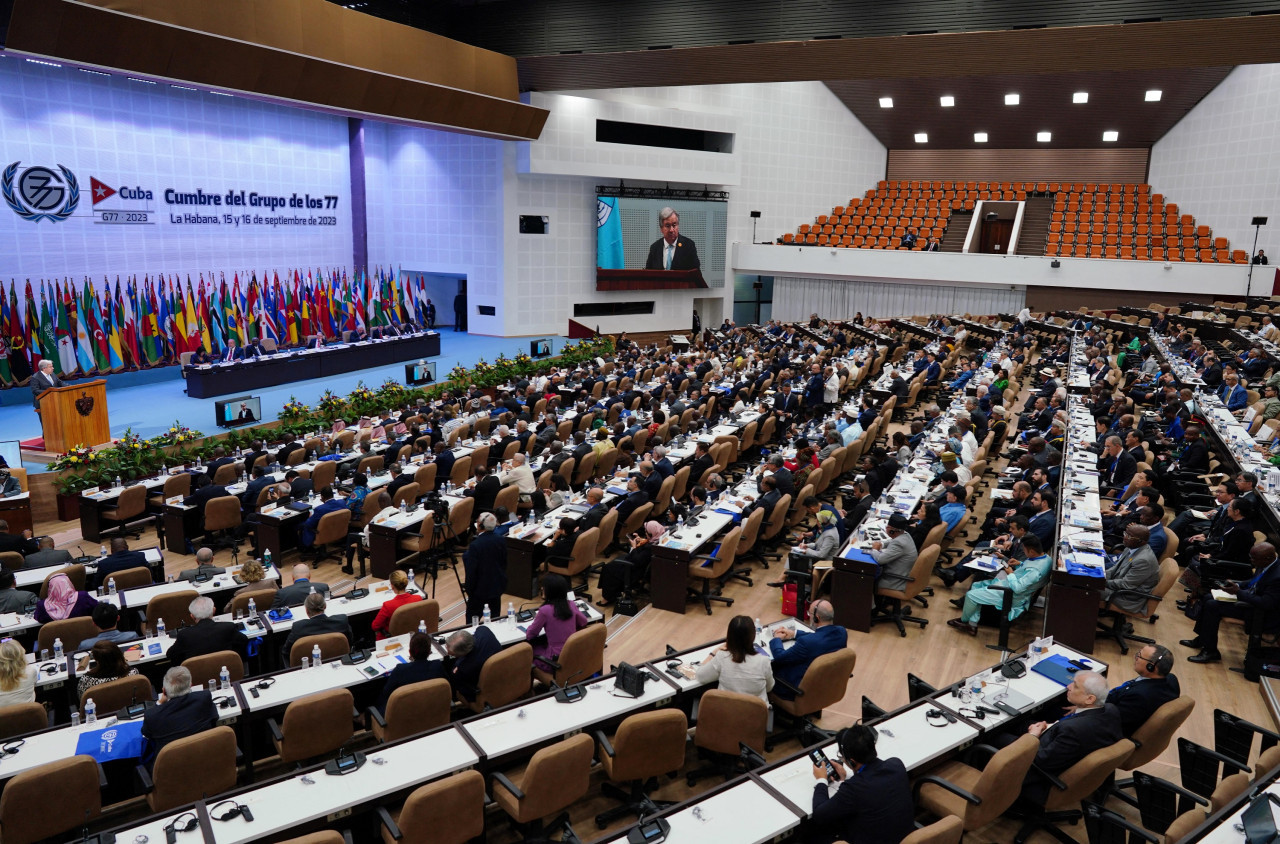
(607, 279)
(74, 414)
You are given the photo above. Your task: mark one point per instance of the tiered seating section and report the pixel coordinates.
(1089, 220)
(1128, 221)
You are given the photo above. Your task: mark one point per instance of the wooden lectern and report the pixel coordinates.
(74, 414)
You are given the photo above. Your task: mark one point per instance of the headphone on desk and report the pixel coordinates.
(1162, 661)
(50, 668)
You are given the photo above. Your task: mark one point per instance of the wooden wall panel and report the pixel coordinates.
(1009, 165)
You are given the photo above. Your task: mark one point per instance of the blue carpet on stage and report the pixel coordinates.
(152, 403)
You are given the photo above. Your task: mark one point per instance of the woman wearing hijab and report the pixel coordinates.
(633, 567)
(63, 601)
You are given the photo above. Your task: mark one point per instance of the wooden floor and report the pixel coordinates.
(937, 654)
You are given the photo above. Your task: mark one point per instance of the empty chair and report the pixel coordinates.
(21, 718)
(191, 768)
(131, 504)
(208, 667)
(114, 695)
(645, 746)
(332, 646)
(313, 726)
(75, 783)
(949, 830)
(976, 796)
(447, 811)
(726, 721)
(173, 607)
(412, 709)
(555, 778)
(406, 618)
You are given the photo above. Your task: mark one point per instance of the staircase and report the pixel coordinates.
(957, 231)
(1035, 225)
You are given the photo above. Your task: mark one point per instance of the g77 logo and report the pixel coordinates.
(41, 193)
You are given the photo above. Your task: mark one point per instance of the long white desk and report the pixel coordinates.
(744, 813)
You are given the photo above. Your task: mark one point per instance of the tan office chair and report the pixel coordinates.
(227, 474)
(1267, 761)
(824, 683)
(461, 471)
(208, 667)
(75, 573)
(22, 718)
(313, 726)
(173, 607)
(900, 599)
(949, 830)
(132, 578)
(1183, 825)
(405, 619)
(323, 474)
(1154, 736)
(75, 781)
(706, 568)
(116, 694)
(508, 497)
(727, 720)
(645, 746)
(447, 811)
(555, 778)
(584, 554)
(994, 788)
(412, 709)
(1229, 789)
(425, 477)
(407, 495)
(191, 768)
(131, 504)
(371, 465)
(221, 519)
(581, 658)
(1080, 780)
(505, 678)
(332, 646)
(331, 533)
(261, 598)
(11, 560)
(72, 631)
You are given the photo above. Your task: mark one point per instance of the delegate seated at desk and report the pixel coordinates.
(47, 555)
(1025, 579)
(873, 802)
(1260, 594)
(295, 593)
(105, 619)
(22, 544)
(470, 652)
(120, 559)
(13, 599)
(180, 712)
(789, 665)
(206, 636)
(1138, 699)
(418, 669)
(315, 624)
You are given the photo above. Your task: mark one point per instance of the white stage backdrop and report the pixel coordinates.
(798, 298)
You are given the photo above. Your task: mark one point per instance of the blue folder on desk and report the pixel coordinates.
(1056, 668)
(858, 555)
(122, 740)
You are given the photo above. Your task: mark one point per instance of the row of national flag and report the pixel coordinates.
(89, 329)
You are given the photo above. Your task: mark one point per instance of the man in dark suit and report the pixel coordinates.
(486, 489)
(470, 651)
(632, 501)
(206, 491)
(119, 559)
(596, 509)
(1090, 724)
(316, 623)
(1116, 466)
(400, 479)
(873, 802)
(316, 342)
(249, 498)
(23, 544)
(233, 352)
(219, 460)
(1154, 686)
(650, 481)
(444, 461)
(328, 504)
(419, 669)
(898, 385)
(43, 380)
(789, 664)
(485, 562)
(702, 461)
(207, 636)
(46, 556)
(1259, 594)
(299, 487)
(181, 712)
(282, 456)
(671, 251)
(259, 449)
(786, 402)
(295, 593)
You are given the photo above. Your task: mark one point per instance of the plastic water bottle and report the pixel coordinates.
(313, 590)
(316, 659)
(224, 678)
(111, 586)
(102, 550)
(90, 711)
(160, 629)
(266, 559)
(404, 508)
(57, 649)
(511, 612)
(253, 608)
(119, 482)
(422, 627)
(759, 627)
(487, 617)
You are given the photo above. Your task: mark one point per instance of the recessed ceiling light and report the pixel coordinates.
(922, 138)
(1012, 99)
(886, 102)
(1154, 95)
(1044, 137)
(948, 102)
(1111, 135)
(980, 137)
(1080, 97)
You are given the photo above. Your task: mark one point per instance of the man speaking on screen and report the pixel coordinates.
(671, 251)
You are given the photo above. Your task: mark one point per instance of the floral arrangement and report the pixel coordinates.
(177, 434)
(294, 411)
(331, 407)
(79, 457)
(392, 393)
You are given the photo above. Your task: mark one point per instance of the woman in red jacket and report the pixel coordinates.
(399, 583)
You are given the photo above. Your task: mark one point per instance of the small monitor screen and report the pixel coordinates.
(241, 410)
(11, 451)
(540, 349)
(420, 373)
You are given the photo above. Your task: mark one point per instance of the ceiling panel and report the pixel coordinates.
(1116, 103)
